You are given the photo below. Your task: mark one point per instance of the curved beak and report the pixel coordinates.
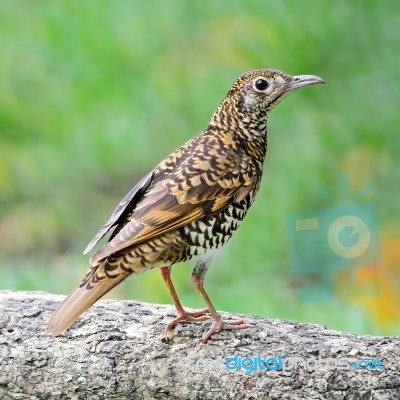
(303, 80)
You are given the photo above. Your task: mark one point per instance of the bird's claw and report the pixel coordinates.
(220, 325)
(189, 316)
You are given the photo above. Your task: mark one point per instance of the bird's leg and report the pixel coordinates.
(218, 324)
(182, 315)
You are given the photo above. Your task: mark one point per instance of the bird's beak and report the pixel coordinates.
(302, 80)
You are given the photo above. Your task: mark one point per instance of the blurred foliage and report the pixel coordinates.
(93, 94)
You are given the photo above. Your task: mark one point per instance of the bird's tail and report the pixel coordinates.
(95, 284)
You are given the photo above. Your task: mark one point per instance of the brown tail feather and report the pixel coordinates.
(78, 302)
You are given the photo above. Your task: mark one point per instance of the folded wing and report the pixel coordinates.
(199, 185)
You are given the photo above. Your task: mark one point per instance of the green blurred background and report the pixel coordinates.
(93, 94)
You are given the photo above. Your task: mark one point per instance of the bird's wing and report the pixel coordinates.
(200, 185)
(129, 200)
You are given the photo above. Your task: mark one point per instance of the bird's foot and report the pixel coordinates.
(189, 316)
(220, 325)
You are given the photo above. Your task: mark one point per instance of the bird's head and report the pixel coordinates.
(263, 89)
(257, 92)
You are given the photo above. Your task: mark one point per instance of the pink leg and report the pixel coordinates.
(217, 323)
(182, 315)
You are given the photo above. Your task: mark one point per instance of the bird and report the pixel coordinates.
(189, 205)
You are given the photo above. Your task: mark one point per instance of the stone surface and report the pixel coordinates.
(117, 350)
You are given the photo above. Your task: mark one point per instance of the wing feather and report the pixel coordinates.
(186, 195)
(133, 196)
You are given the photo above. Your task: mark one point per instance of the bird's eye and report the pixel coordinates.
(260, 84)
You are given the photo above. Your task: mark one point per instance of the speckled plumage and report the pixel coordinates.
(191, 203)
